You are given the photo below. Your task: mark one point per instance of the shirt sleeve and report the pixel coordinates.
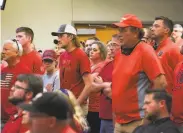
(84, 64)
(174, 57)
(38, 66)
(56, 83)
(151, 64)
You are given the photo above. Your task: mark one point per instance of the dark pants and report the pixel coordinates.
(94, 122)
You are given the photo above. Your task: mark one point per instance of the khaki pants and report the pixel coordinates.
(128, 127)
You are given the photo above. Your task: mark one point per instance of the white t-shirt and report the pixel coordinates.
(53, 79)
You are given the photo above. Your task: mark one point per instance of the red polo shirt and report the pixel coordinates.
(105, 111)
(132, 76)
(34, 61)
(179, 43)
(72, 67)
(14, 125)
(8, 78)
(169, 55)
(177, 95)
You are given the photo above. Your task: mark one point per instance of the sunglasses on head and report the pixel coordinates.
(14, 40)
(48, 60)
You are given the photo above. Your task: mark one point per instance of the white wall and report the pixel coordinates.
(44, 16)
(112, 10)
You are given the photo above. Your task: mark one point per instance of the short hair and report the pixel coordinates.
(35, 82)
(102, 48)
(167, 22)
(16, 45)
(28, 31)
(159, 95)
(93, 38)
(140, 31)
(115, 36)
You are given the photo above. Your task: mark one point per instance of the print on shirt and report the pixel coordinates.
(6, 79)
(179, 78)
(160, 53)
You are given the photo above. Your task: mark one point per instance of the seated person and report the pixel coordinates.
(157, 106)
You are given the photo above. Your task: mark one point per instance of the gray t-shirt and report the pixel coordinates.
(53, 79)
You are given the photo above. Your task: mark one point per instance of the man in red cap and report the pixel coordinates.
(136, 68)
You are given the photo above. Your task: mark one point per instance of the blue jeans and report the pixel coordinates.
(106, 126)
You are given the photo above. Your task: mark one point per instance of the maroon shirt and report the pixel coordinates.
(8, 78)
(105, 110)
(72, 67)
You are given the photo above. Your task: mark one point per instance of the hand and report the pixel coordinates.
(107, 91)
(49, 87)
(98, 80)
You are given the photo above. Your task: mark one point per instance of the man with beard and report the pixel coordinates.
(157, 106)
(74, 65)
(26, 87)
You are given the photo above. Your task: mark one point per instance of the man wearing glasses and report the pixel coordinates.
(26, 87)
(12, 51)
(136, 68)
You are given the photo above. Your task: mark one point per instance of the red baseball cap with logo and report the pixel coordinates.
(49, 54)
(129, 20)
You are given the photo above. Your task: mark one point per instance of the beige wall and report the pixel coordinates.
(44, 16)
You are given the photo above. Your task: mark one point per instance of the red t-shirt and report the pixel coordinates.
(93, 105)
(179, 43)
(105, 111)
(34, 61)
(14, 125)
(169, 55)
(72, 67)
(68, 129)
(8, 78)
(132, 75)
(177, 95)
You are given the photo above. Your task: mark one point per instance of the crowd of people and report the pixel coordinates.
(131, 84)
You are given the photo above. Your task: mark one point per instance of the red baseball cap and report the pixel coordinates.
(129, 20)
(49, 54)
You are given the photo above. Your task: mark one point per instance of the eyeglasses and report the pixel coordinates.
(18, 87)
(48, 61)
(14, 40)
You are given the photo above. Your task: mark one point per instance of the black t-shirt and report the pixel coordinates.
(164, 125)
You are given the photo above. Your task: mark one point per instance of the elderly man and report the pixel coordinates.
(177, 34)
(136, 68)
(12, 51)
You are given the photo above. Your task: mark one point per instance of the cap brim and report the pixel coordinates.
(48, 58)
(56, 33)
(28, 107)
(120, 25)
